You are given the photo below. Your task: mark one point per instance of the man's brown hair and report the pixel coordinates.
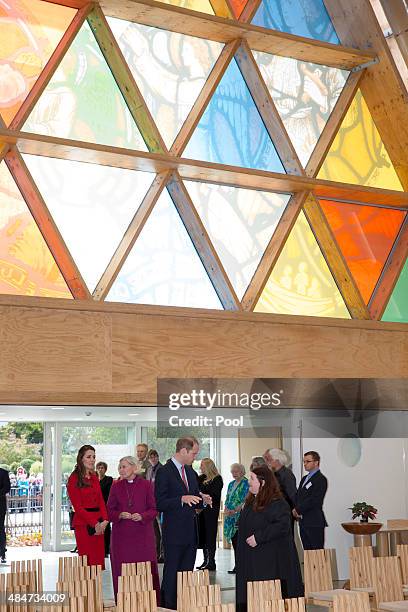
(186, 443)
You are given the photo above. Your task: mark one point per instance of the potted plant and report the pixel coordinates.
(364, 511)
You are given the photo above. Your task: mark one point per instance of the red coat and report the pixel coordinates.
(88, 497)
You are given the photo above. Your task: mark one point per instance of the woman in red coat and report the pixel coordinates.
(90, 518)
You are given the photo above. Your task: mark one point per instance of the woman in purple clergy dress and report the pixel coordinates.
(132, 510)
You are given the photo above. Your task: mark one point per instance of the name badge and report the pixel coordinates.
(309, 484)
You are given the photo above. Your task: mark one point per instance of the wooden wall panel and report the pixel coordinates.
(54, 350)
(95, 353)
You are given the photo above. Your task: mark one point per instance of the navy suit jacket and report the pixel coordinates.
(309, 501)
(179, 520)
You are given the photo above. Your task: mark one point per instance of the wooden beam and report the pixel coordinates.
(68, 351)
(273, 250)
(204, 97)
(46, 225)
(133, 231)
(333, 124)
(397, 16)
(76, 4)
(202, 243)
(50, 67)
(211, 27)
(267, 109)
(126, 83)
(382, 88)
(249, 11)
(390, 274)
(335, 260)
(222, 8)
(50, 146)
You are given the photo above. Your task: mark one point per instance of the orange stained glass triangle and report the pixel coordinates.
(301, 282)
(30, 33)
(365, 235)
(26, 264)
(237, 7)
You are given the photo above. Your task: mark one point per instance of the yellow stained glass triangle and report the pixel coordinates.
(26, 264)
(301, 282)
(358, 155)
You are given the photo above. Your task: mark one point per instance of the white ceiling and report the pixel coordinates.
(111, 414)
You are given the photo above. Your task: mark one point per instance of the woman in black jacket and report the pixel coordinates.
(210, 482)
(266, 549)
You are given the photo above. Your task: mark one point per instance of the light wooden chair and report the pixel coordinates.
(318, 578)
(387, 583)
(91, 589)
(190, 579)
(402, 553)
(67, 565)
(32, 565)
(199, 596)
(142, 567)
(351, 601)
(142, 601)
(295, 604)
(360, 567)
(216, 608)
(261, 591)
(135, 582)
(3, 605)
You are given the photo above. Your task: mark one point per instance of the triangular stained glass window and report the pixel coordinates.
(83, 101)
(26, 264)
(30, 32)
(304, 95)
(170, 70)
(301, 17)
(231, 131)
(237, 7)
(397, 307)
(251, 218)
(365, 235)
(358, 155)
(301, 282)
(92, 206)
(163, 267)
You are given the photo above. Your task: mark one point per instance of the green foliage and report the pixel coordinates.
(20, 442)
(26, 464)
(5, 466)
(166, 446)
(75, 437)
(366, 511)
(32, 433)
(37, 468)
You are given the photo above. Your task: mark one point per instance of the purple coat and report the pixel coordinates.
(132, 541)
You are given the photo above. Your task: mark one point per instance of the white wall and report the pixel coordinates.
(379, 478)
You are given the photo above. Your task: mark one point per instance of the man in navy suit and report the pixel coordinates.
(308, 508)
(178, 496)
(4, 490)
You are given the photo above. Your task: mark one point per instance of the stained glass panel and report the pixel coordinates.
(82, 101)
(170, 70)
(365, 235)
(302, 17)
(237, 7)
(251, 218)
(231, 130)
(30, 32)
(397, 307)
(358, 154)
(26, 264)
(92, 206)
(301, 282)
(163, 266)
(304, 95)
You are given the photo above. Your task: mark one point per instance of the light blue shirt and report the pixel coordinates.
(308, 477)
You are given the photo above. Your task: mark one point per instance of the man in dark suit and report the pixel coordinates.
(4, 489)
(308, 508)
(178, 496)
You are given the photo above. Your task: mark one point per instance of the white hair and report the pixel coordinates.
(239, 466)
(279, 455)
(130, 459)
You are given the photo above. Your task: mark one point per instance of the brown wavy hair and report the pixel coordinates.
(269, 490)
(79, 468)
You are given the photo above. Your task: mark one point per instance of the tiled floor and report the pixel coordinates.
(224, 559)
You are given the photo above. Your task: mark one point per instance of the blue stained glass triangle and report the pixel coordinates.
(301, 17)
(231, 131)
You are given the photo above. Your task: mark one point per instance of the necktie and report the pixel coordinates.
(183, 476)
